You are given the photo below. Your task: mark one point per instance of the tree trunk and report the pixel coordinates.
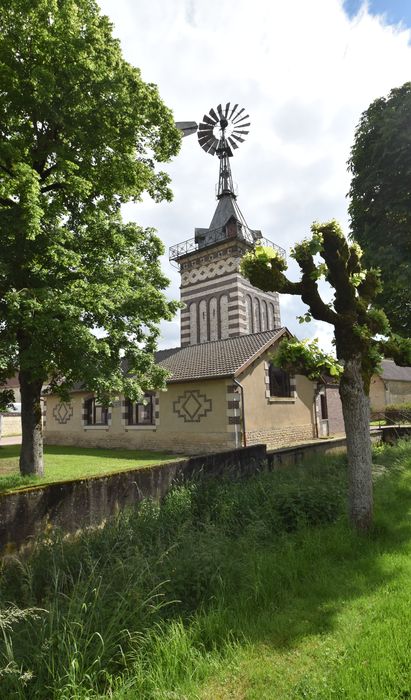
(31, 453)
(356, 411)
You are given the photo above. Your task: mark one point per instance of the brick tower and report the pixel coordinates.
(219, 302)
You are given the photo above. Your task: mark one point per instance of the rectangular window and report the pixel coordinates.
(141, 412)
(96, 413)
(279, 382)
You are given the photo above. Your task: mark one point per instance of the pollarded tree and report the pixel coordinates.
(356, 323)
(380, 193)
(80, 135)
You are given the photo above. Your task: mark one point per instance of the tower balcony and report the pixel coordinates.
(210, 237)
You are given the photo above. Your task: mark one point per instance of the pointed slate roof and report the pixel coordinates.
(219, 358)
(225, 210)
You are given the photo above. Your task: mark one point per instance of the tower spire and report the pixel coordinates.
(224, 153)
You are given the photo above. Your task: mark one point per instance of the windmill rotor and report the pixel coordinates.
(223, 127)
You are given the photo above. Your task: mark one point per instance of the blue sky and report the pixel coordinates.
(395, 11)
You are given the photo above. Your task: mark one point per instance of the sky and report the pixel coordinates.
(304, 71)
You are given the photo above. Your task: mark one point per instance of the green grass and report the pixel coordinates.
(66, 463)
(257, 590)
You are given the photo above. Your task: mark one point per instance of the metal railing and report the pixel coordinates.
(390, 417)
(216, 236)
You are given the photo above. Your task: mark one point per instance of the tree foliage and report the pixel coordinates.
(358, 331)
(306, 357)
(81, 134)
(380, 193)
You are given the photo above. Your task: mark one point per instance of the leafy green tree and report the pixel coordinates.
(81, 134)
(356, 324)
(380, 194)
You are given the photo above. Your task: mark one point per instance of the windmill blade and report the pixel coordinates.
(207, 120)
(238, 122)
(227, 109)
(204, 138)
(186, 128)
(242, 126)
(205, 127)
(238, 138)
(220, 111)
(232, 112)
(207, 142)
(213, 115)
(210, 147)
(237, 116)
(232, 143)
(237, 131)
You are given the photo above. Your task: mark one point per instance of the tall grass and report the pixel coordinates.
(153, 604)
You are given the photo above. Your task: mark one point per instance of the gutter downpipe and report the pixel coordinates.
(242, 410)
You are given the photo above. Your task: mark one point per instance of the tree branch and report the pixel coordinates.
(54, 187)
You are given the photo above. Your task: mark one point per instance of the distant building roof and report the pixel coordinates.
(219, 358)
(392, 371)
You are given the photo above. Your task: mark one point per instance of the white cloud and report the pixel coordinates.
(303, 70)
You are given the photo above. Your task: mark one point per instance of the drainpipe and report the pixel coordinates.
(242, 410)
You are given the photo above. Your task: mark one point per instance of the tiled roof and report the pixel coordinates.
(392, 371)
(219, 358)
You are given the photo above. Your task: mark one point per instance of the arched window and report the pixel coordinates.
(212, 311)
(224, 316)
(249, 314)
(271, 317)
(193, 323)
(279, 381)
(257, 319)
(264, 326)
(203, 321)
(95, 412)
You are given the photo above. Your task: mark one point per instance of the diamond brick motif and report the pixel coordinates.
(63, 412)
(192, 406)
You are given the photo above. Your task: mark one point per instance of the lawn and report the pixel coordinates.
(65, 463)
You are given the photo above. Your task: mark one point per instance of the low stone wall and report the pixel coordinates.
(74, 505)
(10, 424)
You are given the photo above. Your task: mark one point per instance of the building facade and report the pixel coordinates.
(223, 390)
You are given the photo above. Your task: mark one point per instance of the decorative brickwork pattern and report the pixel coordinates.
(192, 406)
(63, 412)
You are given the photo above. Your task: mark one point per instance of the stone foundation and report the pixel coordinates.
(282, 436)
(179, 443)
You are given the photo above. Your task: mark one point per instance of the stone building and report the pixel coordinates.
(223, 390)
(392, 386)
